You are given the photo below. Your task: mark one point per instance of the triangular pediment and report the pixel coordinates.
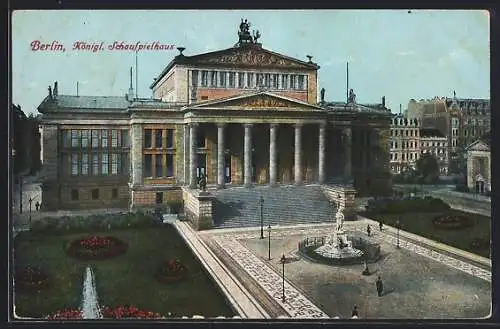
(262, 100)
(249, 56)
(478, 146)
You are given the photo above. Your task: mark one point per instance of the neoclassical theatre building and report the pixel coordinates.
(242, 116)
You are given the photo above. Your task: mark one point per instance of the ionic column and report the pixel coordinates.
(220, 154)
(193, 128)
(321, 158)
(347, 134)
(247, 175)
(273, 170)
(297, 163)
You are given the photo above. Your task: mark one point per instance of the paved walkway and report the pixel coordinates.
(243, 302)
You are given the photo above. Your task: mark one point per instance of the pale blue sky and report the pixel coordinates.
(390, 52)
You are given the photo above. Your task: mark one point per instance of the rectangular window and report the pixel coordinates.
(85, 138)
(222, 79)
(85, 163)
(115, 163)
(114, 193)
(74, 164)
(159, 197)
(74, 195)
(284, 81)
(158, 165)
(200, 139)
(204, 78)
(75, 138)
(158, 138)
(105, 163)
(170, 138)
(104, 138)
(148, 163)
(293, 81)
(241, 80)
(66, 138)
(95, 194)
(267, 80)
(95, 138)
(231, 81)
(275, 81)
(124, 164)
(125, 140)
(114, 138)
(301, 82)
(148, 138)
(170, 165)
(249, 80)
(213, 79)
(260, 79)
(95, 163)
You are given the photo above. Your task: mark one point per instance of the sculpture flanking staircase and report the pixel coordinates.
(283, 205)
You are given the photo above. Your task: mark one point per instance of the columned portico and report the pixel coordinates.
(321, 155)
(220, 154)
(193, 127)
(273, 168)
(298, 153)
(347, 136)
(247, 156)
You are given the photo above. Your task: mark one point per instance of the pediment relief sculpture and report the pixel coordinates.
(265, 101)
(250, 57)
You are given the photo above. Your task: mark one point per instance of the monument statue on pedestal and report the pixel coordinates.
(352, 97)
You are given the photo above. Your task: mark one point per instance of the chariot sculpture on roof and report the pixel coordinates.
(244, 33)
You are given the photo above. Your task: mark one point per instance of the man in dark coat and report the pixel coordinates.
(368, 230)
(380, 286)
(380, 224)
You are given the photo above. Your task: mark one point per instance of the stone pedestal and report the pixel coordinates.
(198, 208)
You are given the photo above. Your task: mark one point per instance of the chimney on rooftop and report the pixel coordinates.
(55, 89)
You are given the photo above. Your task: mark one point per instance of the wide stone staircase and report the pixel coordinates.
(283, 205)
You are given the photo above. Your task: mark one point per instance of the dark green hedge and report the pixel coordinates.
(104, 222)
(392, 206)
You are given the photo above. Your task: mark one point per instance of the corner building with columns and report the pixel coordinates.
(242, 116)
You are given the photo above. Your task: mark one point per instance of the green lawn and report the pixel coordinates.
(127, 279)
(421, 224)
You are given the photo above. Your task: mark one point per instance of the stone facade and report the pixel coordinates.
(241, 116)
(479, 166)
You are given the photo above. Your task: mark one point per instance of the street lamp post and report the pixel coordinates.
(30, 201)
(261, 218)
(283, 260)
(269, 246)
(398, 226)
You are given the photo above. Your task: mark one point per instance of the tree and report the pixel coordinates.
(428, 167)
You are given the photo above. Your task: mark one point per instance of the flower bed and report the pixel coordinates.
(451, 222)
(121, 312)
(171, 271)
(30, 279)
(96, 247)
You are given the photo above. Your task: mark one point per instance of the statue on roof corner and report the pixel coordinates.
(352, 97)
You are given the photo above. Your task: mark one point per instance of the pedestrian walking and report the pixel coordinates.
(380, 224)
(380, 286)
(37, 205)
(368, 230)
(355, 312)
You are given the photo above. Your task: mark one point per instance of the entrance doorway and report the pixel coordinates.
(159, 197)
(227, 168)
(201, 168)
(480, 187)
